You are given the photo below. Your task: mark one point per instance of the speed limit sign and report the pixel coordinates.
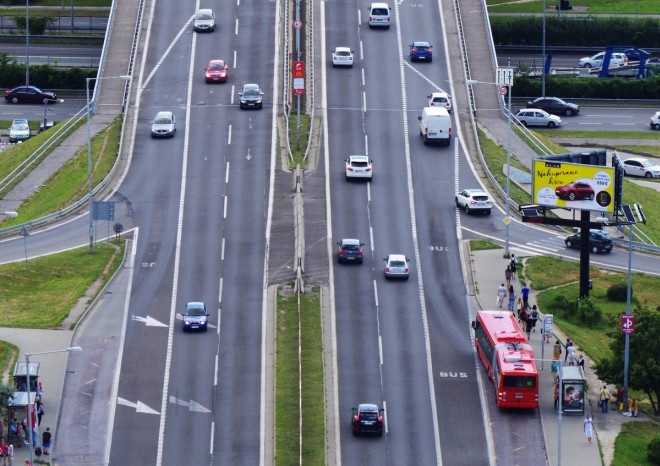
(504, 90)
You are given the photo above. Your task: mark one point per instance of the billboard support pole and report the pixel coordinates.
(584, 253)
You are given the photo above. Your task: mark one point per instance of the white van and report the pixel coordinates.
(379, 15)
(435, 125)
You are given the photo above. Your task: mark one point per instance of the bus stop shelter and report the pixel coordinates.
(572, 389)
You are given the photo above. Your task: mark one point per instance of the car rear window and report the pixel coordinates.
(343, 53)
(351, 247)
(360, 164)
(480, 198)
(397, 264)
(368, 416)
(379, 12)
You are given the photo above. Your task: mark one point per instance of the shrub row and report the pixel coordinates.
(589, 88)
(44, 76)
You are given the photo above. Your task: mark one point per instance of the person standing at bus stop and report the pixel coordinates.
(605, 396)
(556, 350)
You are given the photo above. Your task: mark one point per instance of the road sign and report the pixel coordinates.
(506, 220)
(547, 324)
(298, 69)
(298, 86)
(504, 90)
(627, 324)
(297, 24)
(505, 76)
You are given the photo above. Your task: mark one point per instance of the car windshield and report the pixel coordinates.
(440, 99)
(195, 311)
(646, 163)
(204, 16)
(217, 66)
(19, 126)
(162, 121)
(251, 92)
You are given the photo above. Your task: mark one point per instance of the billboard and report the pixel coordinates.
(572, 185)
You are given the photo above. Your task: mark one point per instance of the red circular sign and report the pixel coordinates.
(297, 24)
(504, 90)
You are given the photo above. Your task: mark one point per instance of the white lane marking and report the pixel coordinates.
(362, 57)
(167, 51)
(222, 250)
(236, 28)
(220, 290)
(224, 214)
(415, 240)
(235, 58)
(212, 434)
(380, 348)
(371, 241)
(363, 78)
(419, 73)
(177, 253)
(329, 246)
(359, 18)
(227, 174)
(269, 219)
(231, 102)
(376, 295)
(385, 416)
(364, 101)
(215, 372)
(122, 340)
(366, 144)
(219, 324)
(368, 192)
(229, 136)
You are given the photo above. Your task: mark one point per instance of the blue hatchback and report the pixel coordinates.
(195, 316)
(421, 51)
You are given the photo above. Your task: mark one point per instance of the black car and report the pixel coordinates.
(599, 241)
(29, 94)
(349, 250)
(251, 95)
(554, 105)
(367, 419)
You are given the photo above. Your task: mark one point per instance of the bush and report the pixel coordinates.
(583, 312)
(619, 292)
(653, 454)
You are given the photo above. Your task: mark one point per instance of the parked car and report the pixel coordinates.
(596, 61)
(367, 419)
(599, 241)
(555, 106)
(396, 266)
(359, 166)
(575, 191)
(251, 96)
(421, 51)
(216, 71)
(30, 95)
(163, 125)
(342, 56)
(537, 117)
(204, 20)
(349, 250)
(195, 316)
(473, 200)
(655, 121)
(19, 130)
(636, 166)
(440, 99)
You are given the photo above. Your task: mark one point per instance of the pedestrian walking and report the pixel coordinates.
(512, 299)
(556, 350)
(40, 412)
(519, 308)
(513, 263)
(10, 454)
(4, 452)
(534, 316)
(507, 276)
(524, 292)
(570, 355)
(46, 438)
(556, 396)
(580, 362)
(501, 294)
(605, 396)
(529, 325)
(555, 370)
(568, 343)
(588, 428)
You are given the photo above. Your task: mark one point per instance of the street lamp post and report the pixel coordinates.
(90, 199)
(543, 47)
(505, 84)
(27, 42)
(30, 410)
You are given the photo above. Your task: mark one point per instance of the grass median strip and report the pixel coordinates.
(287, 388)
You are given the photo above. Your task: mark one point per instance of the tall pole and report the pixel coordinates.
(30, 408)
(561, 407)
(626, 351)
(27, 42)
(508, 173)
(543, 64)
(89, 168)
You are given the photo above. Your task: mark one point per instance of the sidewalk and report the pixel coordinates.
(487, 274)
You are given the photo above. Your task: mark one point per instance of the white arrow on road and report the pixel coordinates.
(191, 405)
(150, 321)
(139, 406)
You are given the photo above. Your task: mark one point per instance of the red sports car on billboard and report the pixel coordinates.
(575, 191)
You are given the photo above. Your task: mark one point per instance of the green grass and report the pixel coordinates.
(40, 293)
(8, 355)
(286, 401)
(298, 138)
(594, 7)
(630, 447)
(653, 149)
(649, 199)
(600, 135)
(69, 183)
(482, 245)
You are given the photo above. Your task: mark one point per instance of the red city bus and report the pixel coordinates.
(508, 357)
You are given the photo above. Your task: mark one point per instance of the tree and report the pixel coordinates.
(38, 23)
(644, 364)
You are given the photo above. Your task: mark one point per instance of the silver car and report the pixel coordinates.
(19, 130)
(396, 266)
(537, 117)
(204, 20)
(163, 125)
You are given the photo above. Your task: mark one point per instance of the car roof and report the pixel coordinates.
(342, 49)
(194, 304)
(206, 11)
(534, 110)
(367, 407)
(637, 159)
(476, 191)
(421, 44)
(439, 94)
(216, 61)
(379, 5)
(358, 158)
(164, 114)
(351, 241)
(397, 257)
(19, 120)
(250, 86)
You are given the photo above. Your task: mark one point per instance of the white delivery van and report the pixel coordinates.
(435, 125)
(379, 15)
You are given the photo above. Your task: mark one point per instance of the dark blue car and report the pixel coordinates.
(421, 51)
(195, 316)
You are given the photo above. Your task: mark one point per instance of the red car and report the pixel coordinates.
(575, 191)
(29, 94)
(216, 71)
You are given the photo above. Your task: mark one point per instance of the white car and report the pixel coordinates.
(596, 61)
(474, 200)
(19, 130)
(359, 166)
(641, 167)
(537, 117)
(204, 20)
(440, 99)
(342, 56)
(655, 121)
(396, 266)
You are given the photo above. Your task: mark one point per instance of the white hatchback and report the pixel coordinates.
(596, 61)
(342, 56)
(396, 266)
(537, 117)
(440, 99)
(359, 166)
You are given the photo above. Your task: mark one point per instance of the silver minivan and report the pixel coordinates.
(379, 15)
